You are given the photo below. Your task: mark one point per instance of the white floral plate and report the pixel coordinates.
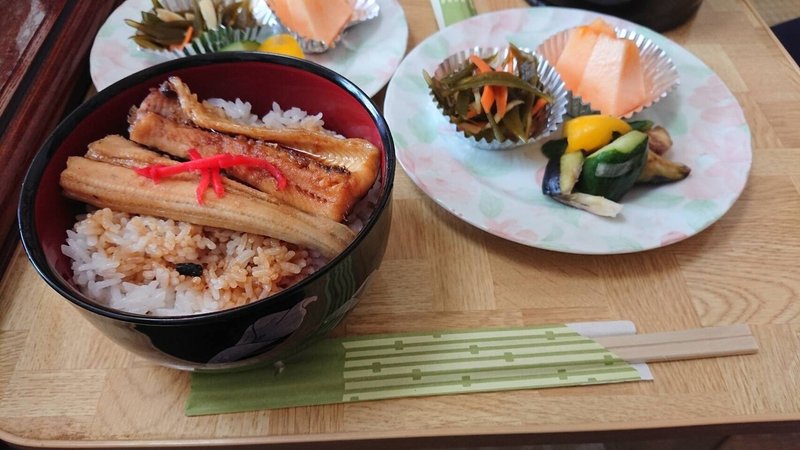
(500, 192)
(367, 55)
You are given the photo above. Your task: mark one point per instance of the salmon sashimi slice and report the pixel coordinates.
(572, 62)
(602, 27)
(604, 70)
(359, 156)
(321, 20)
(313, 186)
(105, 185)
(614, 80)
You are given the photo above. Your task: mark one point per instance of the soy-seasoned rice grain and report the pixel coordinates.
(128, 263)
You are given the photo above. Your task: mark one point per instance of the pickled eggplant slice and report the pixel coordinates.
(561, 174)
(660, 140)
(659, 170)
(555, 148)
(594, 204)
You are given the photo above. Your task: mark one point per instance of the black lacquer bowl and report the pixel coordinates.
(266, 330)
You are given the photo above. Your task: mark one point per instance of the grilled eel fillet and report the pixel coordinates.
(115, 149)
(357, 160)
(313, 186)
(359, 156)
(105, 179)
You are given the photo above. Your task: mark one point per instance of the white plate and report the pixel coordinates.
(500, 191)
(367, 55)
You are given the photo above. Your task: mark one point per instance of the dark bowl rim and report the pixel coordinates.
(30, 185)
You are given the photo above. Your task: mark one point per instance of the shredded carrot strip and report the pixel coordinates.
(488, 95)
(487, 99)
(538, 106)
(480, 64)
(501, 92)
(186, 38)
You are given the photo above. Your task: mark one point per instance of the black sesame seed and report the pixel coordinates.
(189, 269)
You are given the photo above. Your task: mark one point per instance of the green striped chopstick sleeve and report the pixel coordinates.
(475, 361)
(448, 12)
(414, 364)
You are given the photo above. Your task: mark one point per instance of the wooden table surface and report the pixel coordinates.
(65, 384)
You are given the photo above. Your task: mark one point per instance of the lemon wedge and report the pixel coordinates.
(282, 44)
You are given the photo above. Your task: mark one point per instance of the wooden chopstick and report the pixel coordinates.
(685, 344)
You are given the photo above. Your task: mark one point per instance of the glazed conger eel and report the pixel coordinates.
(357, 155)
(314, 187)
(108, 186)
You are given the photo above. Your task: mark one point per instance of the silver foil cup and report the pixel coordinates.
(549, 82)
(658, 67)
(363, 10)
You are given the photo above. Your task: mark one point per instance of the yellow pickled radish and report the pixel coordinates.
(589, 133)
(283, 44)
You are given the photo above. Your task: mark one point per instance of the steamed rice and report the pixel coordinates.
(277, 118)
(128, 262)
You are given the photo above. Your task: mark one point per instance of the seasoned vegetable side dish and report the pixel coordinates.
(162, 28)
(494, 99)
(602, 157)
(184, 219)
